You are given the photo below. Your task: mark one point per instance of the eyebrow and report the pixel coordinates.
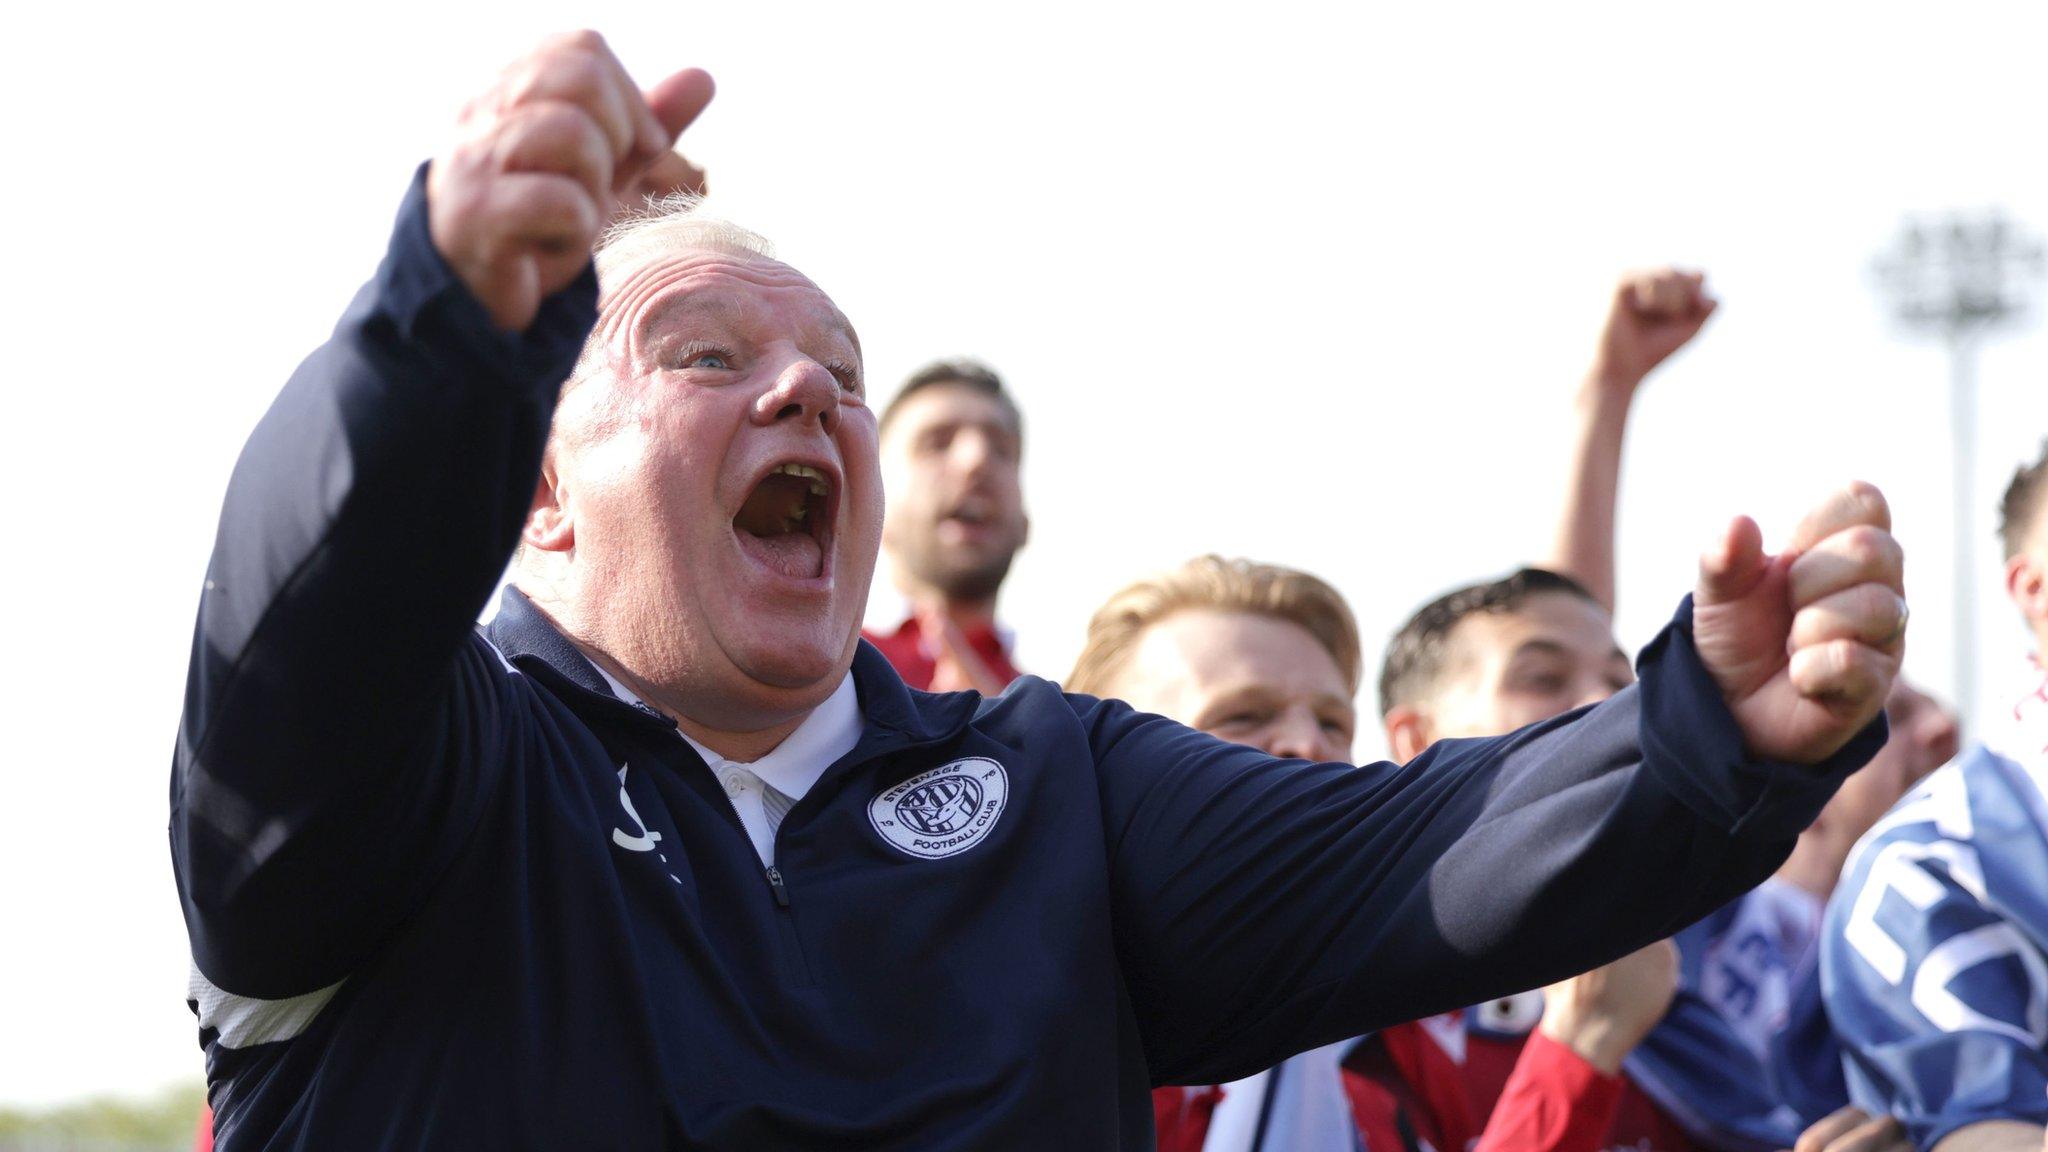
(734, 315)
(1261, 694)
(1545, 647)
(991, 423)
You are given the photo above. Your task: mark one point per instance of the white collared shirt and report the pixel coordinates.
(829, 732)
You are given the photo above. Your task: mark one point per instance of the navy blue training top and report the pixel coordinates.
(445, 891)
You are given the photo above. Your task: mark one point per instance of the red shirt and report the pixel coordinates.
(1409, 1093)
(1180, 1116)
(907, 652)
(1553, 1101)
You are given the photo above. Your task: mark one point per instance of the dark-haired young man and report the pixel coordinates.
(1540, 1072)
(952, 446)
(1935, 953)
(1614, 1059)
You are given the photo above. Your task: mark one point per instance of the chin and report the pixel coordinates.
(795, 661)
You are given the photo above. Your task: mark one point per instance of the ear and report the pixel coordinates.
(1408, 733)
(548, 527)
(2026, 581)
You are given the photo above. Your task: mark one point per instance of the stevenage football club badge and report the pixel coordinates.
(945, 811)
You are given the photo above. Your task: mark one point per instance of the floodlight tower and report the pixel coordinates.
(1960, 278)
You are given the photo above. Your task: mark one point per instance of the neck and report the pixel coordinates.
(965, 613)
(742, 745)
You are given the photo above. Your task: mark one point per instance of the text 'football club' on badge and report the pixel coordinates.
(945, 811)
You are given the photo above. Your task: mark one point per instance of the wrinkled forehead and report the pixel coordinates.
(655, 294)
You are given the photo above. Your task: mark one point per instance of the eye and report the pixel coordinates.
(704, 356)
(848, 377)
(1547, 681)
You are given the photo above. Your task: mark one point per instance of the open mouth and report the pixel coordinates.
(973, 517)
(786, 522)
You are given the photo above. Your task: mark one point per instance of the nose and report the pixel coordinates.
(804, 391)
(971, 451)
(1298, 734)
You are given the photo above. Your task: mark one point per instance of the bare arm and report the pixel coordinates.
(1853, 1130)
(1994, 1136)
(1651, 315)
(1603, 1014)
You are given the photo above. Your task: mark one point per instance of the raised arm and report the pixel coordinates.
(1650, 316)
(1265, 907)
(329, 756)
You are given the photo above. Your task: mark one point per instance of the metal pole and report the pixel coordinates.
(1962, 397)
(1961, 279)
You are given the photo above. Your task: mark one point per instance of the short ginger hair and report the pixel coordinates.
(1221, 585)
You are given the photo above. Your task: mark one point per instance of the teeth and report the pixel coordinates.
(807, 473)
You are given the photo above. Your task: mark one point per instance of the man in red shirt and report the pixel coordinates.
(952, 444)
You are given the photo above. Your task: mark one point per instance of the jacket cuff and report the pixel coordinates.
(430, 305)
(1691, 742)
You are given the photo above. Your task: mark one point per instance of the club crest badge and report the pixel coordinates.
(945, 811)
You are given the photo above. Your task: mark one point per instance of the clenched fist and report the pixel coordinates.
(1651, 315)
(542, 161)
(1805, 644)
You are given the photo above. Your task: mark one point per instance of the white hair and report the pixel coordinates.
(673, 223)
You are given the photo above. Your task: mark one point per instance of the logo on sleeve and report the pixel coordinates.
(945, 811)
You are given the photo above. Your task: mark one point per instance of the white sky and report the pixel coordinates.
(1269, 281)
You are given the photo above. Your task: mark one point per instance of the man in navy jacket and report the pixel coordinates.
(665, 857)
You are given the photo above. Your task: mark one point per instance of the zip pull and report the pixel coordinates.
(776, 886)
